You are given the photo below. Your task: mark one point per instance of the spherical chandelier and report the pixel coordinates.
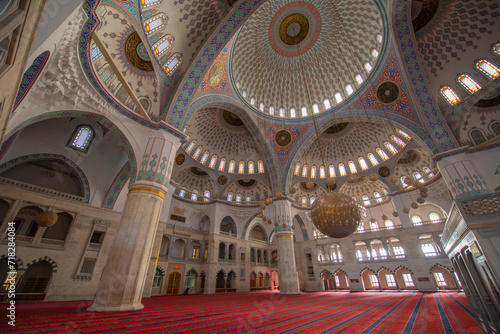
(337, 215)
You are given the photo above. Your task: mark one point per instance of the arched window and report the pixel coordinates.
(163, 44)
(488, 69)
(248, 198)
(182, 192)
(428, 172)
(404, 134)
(398, 141)
(304, 171)
(190, 146)
(434, 217)
(173, 63)
(377, 196)
(359, 79)
(260, 165)
(304, 111)
(449, 95)
(327, 104)
(382, 154)
(380, 38)
(213, 161)
(147, 3)
(95, 51)
(230, 197)
(206, 194)
(496, 49)
(477, 137)
(389, 224)
(338, 97)
(368, 67)
(252, 101)
(222, 164)
(155, 23)
(204, 157)
(311, 200)
(495, 128)
(468, 83)
(106, 74)
(261, 106)
(362, 163)
(349, 89)
(241, 167)
(391, 148)
(416, 220)
(373, 225)
(82, 138)
(322, 173)
(313, 172)
(403, 181)
(238, 198)
(231, 166)
(297, 169)
(372, 158)
(417, 176)
(374, 53)
(331, 171)
(250, 167)
(293, 113)
(315, 108)
(342, 170)
(304, 200)
(197, 153)
(158, 278)
(352, 167)
(366, 200)
(194, 195)
(282, 112)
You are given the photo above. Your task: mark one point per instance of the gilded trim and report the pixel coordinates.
(285, 236)
(147, 189)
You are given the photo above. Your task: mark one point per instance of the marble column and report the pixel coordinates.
(124, 275)
(287, 270)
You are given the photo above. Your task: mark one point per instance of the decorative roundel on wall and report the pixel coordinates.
(222, 180)
(283, 138)
(336, 128)
(231, 118)
(294, 29)
(215, 74)
(387, 92)
(179, 159)
(384, 171)
(332, 188)
(304, 187)
(408, 157)
(198, 171)
(137, 54)
(246, 183)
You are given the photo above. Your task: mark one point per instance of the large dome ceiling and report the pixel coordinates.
(312, 50)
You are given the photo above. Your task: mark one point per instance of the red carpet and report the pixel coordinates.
(260, 312)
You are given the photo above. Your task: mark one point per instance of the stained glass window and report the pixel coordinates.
(434, 217)
(469, 83)
(293, 113)
(231, 166)
(342, 170)
(374, 53)
(304, 111)
(163, 44)
(398, 141)
(206, 194)
(366, 200)
(304, 171)
(155, 23)
(417, 176)
(213, 161)
(313, 172)
(372, 158)
(377, 196)
(260, 165)
(173, 63)
(362, 163)
(238, 198)
(373, 225)
(389, 224)
(404, 134)
(261, 106)
(222, 164)
(271, 111)
(368, 67)
(304, 200)
(331, 171)
(82, 138)
(230, 197)
(297, 169)
(241, 167)
(338, 97)
(488, 68)
(359, 79)
(182, 192)
(403, 181)
(248, 198)
(315, 108)
(95, 52)
(349, 89)
(352, 167)
(190, 146)
(204, 157)
(322, 173)
(382, 154)
(194, 195)
(496, 49)
(428, 172)
(408, 280)
(250, 167)
(147, 3)
(449, 95)
(390, 147)
(311, 200)
(282, 112)
(379, 38)
(416, 220)
(327, 104)
(197, 152)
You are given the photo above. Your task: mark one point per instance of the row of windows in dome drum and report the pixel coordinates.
(483, 66)
(478, 137)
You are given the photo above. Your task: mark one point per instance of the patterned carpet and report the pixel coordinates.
(261, 312)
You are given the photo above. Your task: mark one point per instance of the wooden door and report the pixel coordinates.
(173, 284)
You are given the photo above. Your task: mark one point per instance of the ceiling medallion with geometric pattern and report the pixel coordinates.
(407, 158)
(387, 92)
(384, 171)
(179, 159)
(231, 118)
(294, 29)
(131, 51)
(283, 138)
(222, 180)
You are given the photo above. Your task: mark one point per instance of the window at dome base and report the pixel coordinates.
(469, 83)
(194, 195)
(206, 194)
(81, 138)
(250, 167)
(342, 170)
(338, 97)
(155, 23)
(232, 164)
(96, 53)
(304, 171)
(147, 3)
(213, 161)
(293, 113)
(352, 167)
(331, 171)
(487, 68)
(404, 134)
(297, 169)
(349, 89)
(382, 154)
(163, 45)
(241, 167)
(362, 163)
(271, 111)
(322, 173)
(173, 63)
(304, 111)
(229, 197)
(190, 146)
(449, 95)
(372, 158)
(398, 141)
(368, 67)
(222, 164)
(315, 108)
(182, 193)
(313, 172)
(260, 165)
(390, 148)
(327, 104)
(197, 152)
(359, 79)
(204, 158)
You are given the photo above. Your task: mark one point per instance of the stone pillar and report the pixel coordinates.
(463, 179)
(287, 271)
(124, 275)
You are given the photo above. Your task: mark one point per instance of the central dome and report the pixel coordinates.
(318, 52)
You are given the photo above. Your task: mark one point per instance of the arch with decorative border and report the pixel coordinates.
(261, 227)
(340, 271)
(325, 271)
(403, 267)
(45, 258)
(116, 187)
(17, 260)
(451, 271)
(303, 227)
(30, 76)
(365, 269)
(382, 268)
(231, 271)
(231, 220)
(161, 270)
(84, 182)
(221, 270)
(194, 270)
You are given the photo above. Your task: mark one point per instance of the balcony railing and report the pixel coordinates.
(38, 189)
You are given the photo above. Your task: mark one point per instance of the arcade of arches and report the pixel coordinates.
(156, 130)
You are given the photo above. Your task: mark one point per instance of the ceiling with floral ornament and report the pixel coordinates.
(193, 178)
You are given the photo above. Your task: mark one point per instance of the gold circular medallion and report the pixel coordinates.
(294, 29)
(215, 74)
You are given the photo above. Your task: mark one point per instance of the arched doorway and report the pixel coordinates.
(173, 284)
(370, 280)
(326, 278)
(275, 280)
(36, 280)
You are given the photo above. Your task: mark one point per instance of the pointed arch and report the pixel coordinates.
(45, 258)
